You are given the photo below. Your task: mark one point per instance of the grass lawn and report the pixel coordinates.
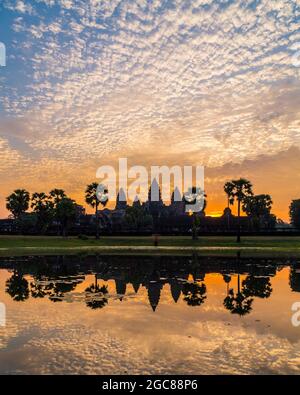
(24, 245)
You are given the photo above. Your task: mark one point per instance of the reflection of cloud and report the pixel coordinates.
(67, 338)
(63, 345)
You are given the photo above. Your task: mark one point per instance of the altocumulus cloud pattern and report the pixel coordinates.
(88, 78)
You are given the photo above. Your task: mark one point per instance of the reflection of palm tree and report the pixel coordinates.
(58, 288)
(37, 290)
(295, 277)
(227, 279)
(17, 287)
(238, 303)
(95, 298)
(257, 286)
(194, 293)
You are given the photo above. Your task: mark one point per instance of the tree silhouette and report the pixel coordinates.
(44, 209)
(66, 214)
(294, 278)
(257, 286)
(17, 287)
(295, 213)
(57, 195)
(60, 287)
(227, 279)
(194, 293)
(18, 202)
(136, 218)
(258, 208)
(38, 290)
(238, 190)
(95, 295)
(238, 303)
(91, 199)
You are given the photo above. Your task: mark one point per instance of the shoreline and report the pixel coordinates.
(147, 250)
(176, 245)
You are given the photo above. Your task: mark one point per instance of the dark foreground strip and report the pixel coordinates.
(134, 384)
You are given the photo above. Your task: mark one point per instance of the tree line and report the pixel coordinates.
(57, 206)
(54, 206)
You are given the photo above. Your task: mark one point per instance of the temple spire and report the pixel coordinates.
(121, 203)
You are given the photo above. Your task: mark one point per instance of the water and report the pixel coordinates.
(153, 315)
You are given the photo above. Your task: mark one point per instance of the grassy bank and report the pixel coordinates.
(22, 245)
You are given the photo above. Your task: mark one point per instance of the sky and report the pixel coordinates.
(161, 82)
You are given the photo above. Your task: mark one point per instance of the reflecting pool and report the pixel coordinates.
(154, 315)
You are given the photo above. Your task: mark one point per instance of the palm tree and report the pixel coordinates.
(91, 199)
(18, 202)
(65, 213)
(44, 209)
(238, 190)
(57, 195)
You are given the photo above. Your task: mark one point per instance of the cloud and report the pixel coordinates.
(18, 6)
(207, 78)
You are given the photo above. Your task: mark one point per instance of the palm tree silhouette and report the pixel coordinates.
(95, 295)
(227, 279)
(43, 206)
(238, 190)
(57, 195)
(92, 200)
(238, 303)
(18, 202)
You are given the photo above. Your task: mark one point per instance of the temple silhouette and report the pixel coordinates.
(165, 218)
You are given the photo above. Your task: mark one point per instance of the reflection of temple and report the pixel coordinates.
(120, 287)
(176, 289)
(56, 277)
(154, 290)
